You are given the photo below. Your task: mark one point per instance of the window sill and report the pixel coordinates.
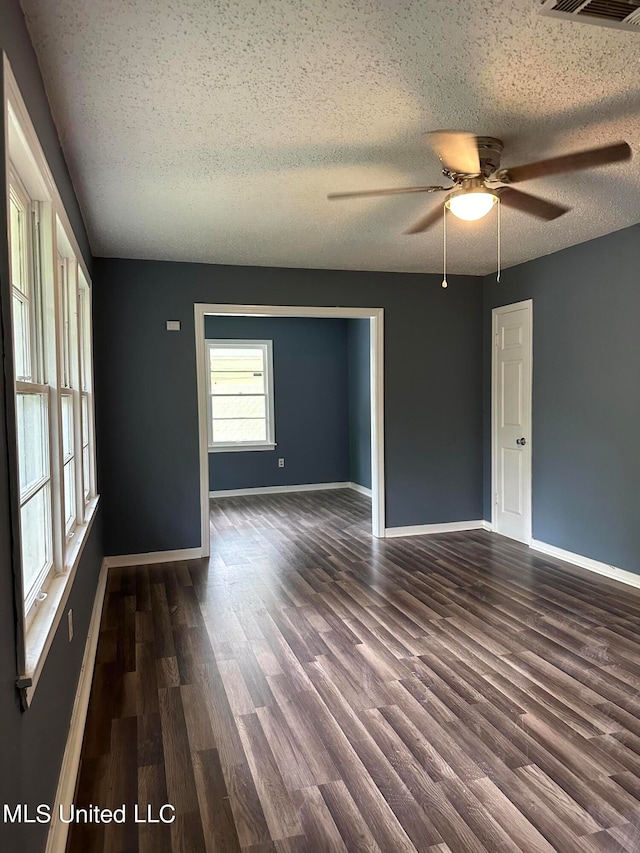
(42, 629)
(235, 448)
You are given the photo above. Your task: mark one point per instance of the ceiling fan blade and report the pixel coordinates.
(398, 191)
(568, 163)
(458, 150)
(427, 220)
(531, 204)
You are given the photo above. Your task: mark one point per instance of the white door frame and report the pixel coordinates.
(376, 318)
(505, 309)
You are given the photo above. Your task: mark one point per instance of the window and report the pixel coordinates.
(52, 372)
(32, 395)
(52, 368)
(240, 376)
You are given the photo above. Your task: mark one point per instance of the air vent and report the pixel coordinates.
(621, 14)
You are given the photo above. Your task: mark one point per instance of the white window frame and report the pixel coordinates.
(234, 446)
(40, 608)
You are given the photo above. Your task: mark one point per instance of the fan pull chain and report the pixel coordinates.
(498, 273)
(444, 246)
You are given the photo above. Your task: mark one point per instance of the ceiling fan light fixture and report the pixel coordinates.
(471, 204)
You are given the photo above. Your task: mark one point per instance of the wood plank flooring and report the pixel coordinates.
(313, 689)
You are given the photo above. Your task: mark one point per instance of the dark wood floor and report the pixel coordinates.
(313, 689)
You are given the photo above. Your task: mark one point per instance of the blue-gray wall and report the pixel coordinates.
(358, 344)
(586, 394)
(310, 403)
(32, 743)
(147, 400)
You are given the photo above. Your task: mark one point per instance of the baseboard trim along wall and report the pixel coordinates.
(429, 529)
(363, 490)
(277, 490)
(58, 831)
(153, 557)
(622, 575)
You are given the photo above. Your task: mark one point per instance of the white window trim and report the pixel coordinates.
(24, 156)
(235, 446)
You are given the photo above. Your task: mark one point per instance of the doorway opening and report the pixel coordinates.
(375, 317)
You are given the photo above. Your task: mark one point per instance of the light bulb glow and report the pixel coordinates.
(471, 204)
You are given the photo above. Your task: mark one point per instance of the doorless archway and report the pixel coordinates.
(376, 320)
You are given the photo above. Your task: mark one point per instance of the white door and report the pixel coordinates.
(511, 393)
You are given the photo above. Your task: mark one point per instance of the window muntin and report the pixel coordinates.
(240, 376)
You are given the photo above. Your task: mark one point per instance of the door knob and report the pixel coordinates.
(521, 441)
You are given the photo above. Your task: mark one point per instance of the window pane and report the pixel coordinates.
(237, 383)
(239, 430)
(18, 246)
(67, 274)
(67, 425)
(69, 495)
(83, 348)
(21, 340)
(72, 321)
(237, 370)
(239, 407)
(41, 325)
(86, 472)
(236, 358)
(85, 420)
(33, 439)
(36, 547)
(66, 357)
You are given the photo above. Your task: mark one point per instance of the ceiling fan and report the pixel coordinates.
(472, 163)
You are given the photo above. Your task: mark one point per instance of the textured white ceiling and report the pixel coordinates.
(212, 131)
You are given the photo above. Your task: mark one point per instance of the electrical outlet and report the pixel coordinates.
(281, 462)
(70, 623)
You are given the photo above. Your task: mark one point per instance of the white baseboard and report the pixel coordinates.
(277, 490)
(428, 529)
(58, 831)
(153, 557)
(363, 490)
(486, 525)
(622, 575)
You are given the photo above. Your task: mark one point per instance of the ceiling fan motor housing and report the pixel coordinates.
(489, 150)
